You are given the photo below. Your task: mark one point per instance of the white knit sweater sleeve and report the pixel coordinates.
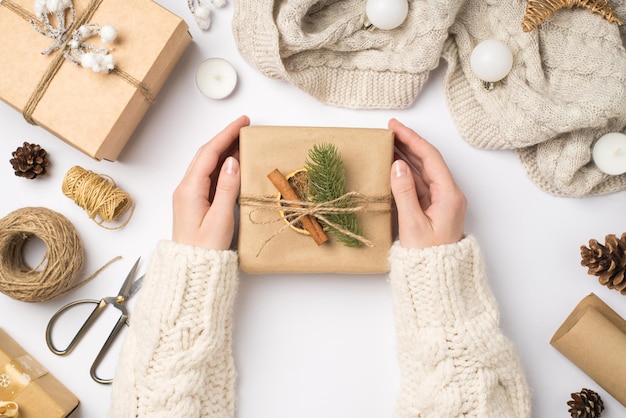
(176, 360)
(454, 359)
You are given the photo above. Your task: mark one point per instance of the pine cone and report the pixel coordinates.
(607, 261)
(585, 404)
(30, 161)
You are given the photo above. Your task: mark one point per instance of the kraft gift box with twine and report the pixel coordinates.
(268, 245)
(593, 337)
(95, 112)
(28, 387)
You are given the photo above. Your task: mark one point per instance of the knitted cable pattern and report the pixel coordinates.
(554, 69)
(562, 165)
(322, 48)
(564, 87)
(177, 356)
(454, 359)
(565, 90)
(177, 361)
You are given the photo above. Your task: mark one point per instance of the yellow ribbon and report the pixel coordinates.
(9, 410)
(16, 375)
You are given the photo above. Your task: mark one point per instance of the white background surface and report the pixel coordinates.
(315, 345)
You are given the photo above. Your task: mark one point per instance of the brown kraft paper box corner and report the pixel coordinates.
(367, 155)
(593, 337)
(43, 396)
(96, 113)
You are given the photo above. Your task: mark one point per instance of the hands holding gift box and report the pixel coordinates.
(453, 356)
(431, 207)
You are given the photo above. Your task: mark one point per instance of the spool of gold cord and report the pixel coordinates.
(98, 195)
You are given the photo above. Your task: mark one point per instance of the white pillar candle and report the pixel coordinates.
(216, 78)
(609, 153)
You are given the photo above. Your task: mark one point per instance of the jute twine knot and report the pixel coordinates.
(57, 270)
(317, 210)
(98, 195)
(61, 46)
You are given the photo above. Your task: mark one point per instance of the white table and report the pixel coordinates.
(315, 345)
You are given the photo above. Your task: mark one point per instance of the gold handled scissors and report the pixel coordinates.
(128, 289)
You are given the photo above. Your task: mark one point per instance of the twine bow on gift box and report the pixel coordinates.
(75, 49)
(299, 209)
(9, 410)
(322, 197)
(71, 48)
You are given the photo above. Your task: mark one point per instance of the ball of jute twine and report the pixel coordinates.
(61, 264)
(58, 269)
(98, 195)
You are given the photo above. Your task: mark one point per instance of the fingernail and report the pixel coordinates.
(231, 166)
(397, 121)
(399, 168)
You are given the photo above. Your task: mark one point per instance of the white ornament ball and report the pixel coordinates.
(491, 60)
(387, 14)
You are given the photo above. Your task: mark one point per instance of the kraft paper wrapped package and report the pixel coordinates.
(95, 112)
(593, 337)
(268, 245)
(28, 384)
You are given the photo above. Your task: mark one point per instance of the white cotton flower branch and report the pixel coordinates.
(88, 56)
(45, 7)
(108, 34)
(202, 11)
(97, 62)
(75, 50)
(202, 14)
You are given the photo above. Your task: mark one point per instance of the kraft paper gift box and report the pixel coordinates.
(95, 112)
(26, 382)
(268, 245)
(593, 337)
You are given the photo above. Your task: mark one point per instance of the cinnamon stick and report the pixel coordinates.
(309, 222)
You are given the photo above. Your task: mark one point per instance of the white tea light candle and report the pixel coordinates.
(609, 153)
(216, 78)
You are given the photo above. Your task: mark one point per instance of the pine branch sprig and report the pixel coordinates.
(327, 182)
